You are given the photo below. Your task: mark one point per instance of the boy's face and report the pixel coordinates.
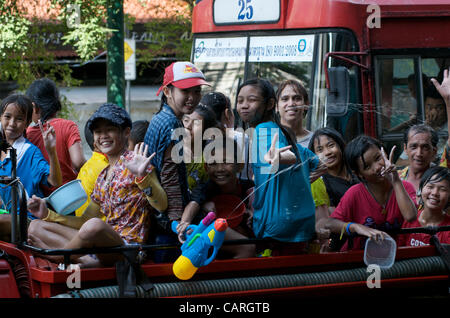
(435, 112)
(289, 104)
(110, 139)
(193, 123)
(224, 172)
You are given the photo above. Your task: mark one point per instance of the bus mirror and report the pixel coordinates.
(338, 91)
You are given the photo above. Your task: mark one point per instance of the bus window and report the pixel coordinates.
(406, 96)
(397, 98)
(434, 105)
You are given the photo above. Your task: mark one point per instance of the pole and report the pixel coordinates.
(115, 79)
(128, 90)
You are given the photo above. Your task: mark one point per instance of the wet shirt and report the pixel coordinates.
(357, 205)
(124, 205)
(283, 205)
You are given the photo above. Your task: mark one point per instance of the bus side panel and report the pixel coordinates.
(411, 33)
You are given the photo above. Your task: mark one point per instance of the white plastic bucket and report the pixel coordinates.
(381, 253)
(68, 197)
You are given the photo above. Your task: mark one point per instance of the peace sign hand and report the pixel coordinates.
(272, 157)
(139, 163)
(389, 171)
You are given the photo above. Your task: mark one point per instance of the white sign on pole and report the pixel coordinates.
(130, 59)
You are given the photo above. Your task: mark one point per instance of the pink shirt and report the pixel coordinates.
(357, 205)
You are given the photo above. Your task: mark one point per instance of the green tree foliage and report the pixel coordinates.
(24, 56)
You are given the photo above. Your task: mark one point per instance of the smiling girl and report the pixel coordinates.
(329, 145)
(434, 192)
(32, 168)
(195, 124)
(283, 206)
(181, 94)
(381, 202)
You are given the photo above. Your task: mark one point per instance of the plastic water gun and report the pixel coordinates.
(195, 250)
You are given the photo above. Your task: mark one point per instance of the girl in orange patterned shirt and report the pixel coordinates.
(126, 192)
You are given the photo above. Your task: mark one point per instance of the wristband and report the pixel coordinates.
(347, 228)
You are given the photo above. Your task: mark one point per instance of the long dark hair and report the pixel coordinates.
(268, 94)
(45, 95)
(163, 99)
(217, 102)
(355, 150)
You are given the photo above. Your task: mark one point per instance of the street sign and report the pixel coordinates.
(130, 59)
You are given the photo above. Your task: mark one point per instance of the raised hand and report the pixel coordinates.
(49, 136)
(389, 170)
(272, 157)
(444, 87)
(138, 165)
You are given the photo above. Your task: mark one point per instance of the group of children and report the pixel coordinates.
(295, 185)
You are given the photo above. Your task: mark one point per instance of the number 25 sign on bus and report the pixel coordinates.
(246, 11)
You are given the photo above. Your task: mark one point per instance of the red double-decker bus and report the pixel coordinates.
(365, 63)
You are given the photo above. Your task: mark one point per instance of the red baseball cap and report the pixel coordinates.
(183, 75)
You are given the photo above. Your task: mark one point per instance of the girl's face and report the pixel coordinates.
(289, 104)
(193, 123)
(14, 122)
(328, 151)
(435, 195)
(183, 101)
(110, 139)
(370, 169)
(250, 105)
